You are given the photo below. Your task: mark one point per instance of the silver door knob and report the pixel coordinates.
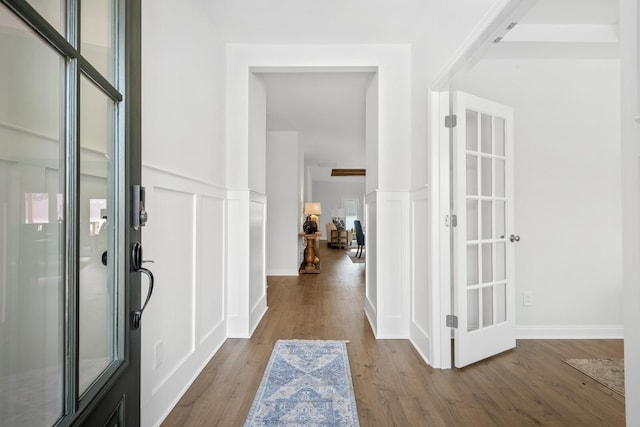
(514, 238)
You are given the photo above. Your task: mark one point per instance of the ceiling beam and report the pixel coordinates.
(348, 172)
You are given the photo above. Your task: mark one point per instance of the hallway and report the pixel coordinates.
(527, 386)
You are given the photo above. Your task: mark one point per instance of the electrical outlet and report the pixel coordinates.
(159, 354)
(527, 298)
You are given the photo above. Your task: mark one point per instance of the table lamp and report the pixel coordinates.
(312, 210)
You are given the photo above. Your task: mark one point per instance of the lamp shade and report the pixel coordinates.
(312, 208)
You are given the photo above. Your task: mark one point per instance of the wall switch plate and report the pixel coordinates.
(527, 298)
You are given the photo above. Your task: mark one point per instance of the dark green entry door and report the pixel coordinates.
(69, 156)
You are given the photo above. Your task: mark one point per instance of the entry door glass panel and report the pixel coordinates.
(53, 11)
(98, 32)
(98, 295)
(31, 227)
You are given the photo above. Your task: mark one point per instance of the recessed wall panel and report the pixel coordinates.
(393, 239)
(421, 301)
(173, 221)
(211, 257)
(257, 276)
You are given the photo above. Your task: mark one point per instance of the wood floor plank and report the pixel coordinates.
(527, 386)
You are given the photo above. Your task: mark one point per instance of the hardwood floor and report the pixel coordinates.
(393, 385)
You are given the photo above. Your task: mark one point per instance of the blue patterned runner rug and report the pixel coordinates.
(307, 383)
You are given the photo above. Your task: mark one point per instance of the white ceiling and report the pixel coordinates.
(563, 29)
(572, 12)
(327, 109)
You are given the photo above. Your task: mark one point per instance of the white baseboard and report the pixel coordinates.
(570, 332)
(421, 343)
(370, 312)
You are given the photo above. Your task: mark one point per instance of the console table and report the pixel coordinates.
(311, 262)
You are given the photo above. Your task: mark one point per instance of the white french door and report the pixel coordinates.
(484, 237)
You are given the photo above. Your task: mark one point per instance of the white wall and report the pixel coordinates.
(284, 206)
(371, 133)
(330, 195)
(257, 133)
(567, 191)
(183, 93)
(183, 156)
(308, 184)
(630, 123)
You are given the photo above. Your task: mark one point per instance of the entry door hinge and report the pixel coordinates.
(450, 121)
(452, 321)
(450, 220)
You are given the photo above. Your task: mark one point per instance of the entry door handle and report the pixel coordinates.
(514, 238)
(136, 264)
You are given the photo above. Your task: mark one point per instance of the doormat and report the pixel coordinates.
(608, 372)
(305, 383)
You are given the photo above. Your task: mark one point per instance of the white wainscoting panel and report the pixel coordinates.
(237, 263)
(172, 218)
(421, 287)
(393, 252)
(371, 291)
(257, 254)
(184, 324)
(211, 266)
(246, 290)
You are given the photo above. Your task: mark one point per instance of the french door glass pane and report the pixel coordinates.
(501, 267)
(97, 38)
(486, 219)
(472, 130)
(472, 175)
(97, 292)
(501, 302)
(31, 227)
(500, 219)
(486, 133)
(473, 310)
(486, 176)
(500, 188)
(487, 263)
(472, 219)
(499, 136)
(473, 276)
(487, 306)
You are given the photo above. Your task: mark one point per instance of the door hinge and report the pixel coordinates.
(450, 121)
(450, 220)
(452, 321)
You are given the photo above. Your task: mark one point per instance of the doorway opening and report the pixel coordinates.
(315, 122)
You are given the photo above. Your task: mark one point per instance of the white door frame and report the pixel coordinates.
(630, 134)
(387, 301)
(492, 26)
